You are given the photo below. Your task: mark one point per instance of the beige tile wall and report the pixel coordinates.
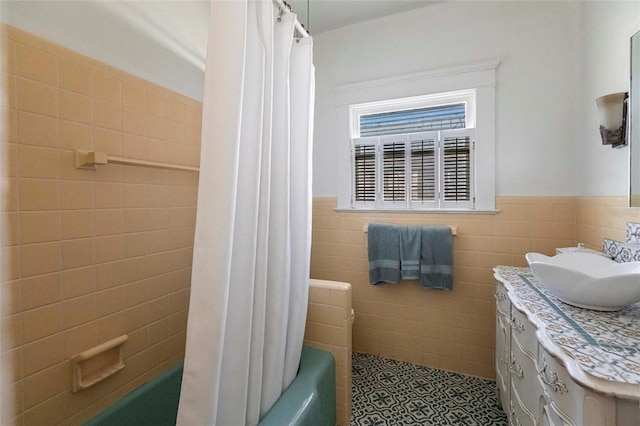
(89, 255)
(328, 327)
(449, 330)
(603, 217)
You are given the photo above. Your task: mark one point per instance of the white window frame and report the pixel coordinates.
(356, 112)
(479, 77)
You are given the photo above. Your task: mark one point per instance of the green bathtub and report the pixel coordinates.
(309, 401)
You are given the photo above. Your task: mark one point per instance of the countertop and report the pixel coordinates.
(605, 345)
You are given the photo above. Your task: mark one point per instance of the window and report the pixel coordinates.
(414, 153)
(422, 142)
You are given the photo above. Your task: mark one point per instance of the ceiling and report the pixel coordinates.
(165, 41)
(325, 15)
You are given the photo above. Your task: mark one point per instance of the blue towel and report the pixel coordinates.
(436, 258)
(384, 253)
(410, 237)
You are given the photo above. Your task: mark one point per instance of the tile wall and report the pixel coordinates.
(603, 217)
(449, 330)
(328, 327)
(89, 255)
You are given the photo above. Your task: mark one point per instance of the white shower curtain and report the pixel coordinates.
(252, 245)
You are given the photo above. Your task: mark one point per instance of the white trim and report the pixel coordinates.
(423, 211)
(417, 76)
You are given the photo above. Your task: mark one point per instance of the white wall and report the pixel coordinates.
(557, 57)
(159, 41)
(605, 30)
(536, 81)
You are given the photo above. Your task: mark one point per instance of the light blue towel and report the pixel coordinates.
(436, 258)
(410, 237)
(384, 253)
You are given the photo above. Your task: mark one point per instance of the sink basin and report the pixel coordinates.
(588, 280)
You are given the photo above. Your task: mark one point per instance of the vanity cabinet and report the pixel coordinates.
(561, 365)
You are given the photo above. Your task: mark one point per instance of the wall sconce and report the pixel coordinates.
(612, 114)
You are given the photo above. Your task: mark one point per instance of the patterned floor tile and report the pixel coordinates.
(393, 393)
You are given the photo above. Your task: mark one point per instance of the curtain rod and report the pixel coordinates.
(299, 27)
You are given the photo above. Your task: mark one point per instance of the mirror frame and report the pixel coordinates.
(634, 120)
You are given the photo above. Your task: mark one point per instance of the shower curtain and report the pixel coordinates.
(249, 285)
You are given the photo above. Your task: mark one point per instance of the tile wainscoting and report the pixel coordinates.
(328, 327)
(453, 330)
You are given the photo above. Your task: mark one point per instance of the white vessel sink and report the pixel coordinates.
(588, 280)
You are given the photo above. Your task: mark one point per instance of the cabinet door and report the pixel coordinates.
(524, 350)
(503, 347)
(502, 360)
(523, 372)
(547, 418)
(518, 414)
(524, 331)
(503, 304)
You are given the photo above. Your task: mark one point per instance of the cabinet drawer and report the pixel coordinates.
(523, 331)
(503, 304)
(523, 371)
(518, 415)
(564, 396)
(503, 353)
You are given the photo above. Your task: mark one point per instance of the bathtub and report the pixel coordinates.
(309, 401)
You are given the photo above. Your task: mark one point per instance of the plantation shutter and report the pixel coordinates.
(394, 187)
(424, 167)
(457, 156)
(364, 164)
(420, 170)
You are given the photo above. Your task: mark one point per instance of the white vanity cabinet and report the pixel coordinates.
(561, 365)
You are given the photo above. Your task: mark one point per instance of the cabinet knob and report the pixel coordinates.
(516, 368)
(516, 324)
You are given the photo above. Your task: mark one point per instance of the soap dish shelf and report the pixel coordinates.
(98, 363)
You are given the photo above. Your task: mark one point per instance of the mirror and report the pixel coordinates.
(634, 123)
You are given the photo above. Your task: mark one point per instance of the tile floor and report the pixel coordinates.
(389, 392)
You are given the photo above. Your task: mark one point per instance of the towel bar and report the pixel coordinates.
(454, 229)
(91, 159)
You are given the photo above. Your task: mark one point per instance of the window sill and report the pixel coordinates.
(414, 211)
